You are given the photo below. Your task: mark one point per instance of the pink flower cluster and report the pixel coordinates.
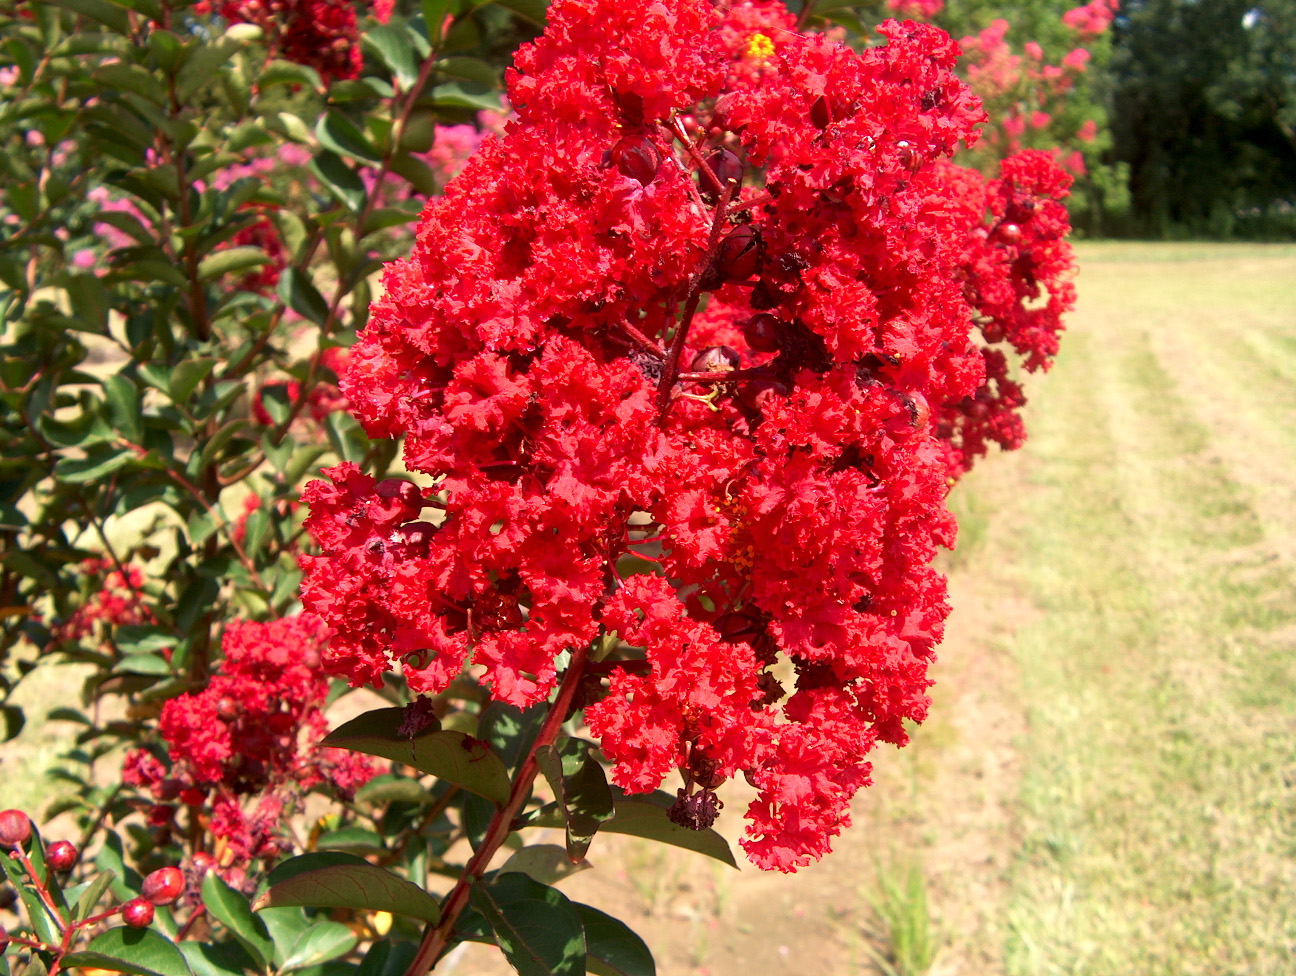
(247, 738)
(687, 357)
(1093, 18)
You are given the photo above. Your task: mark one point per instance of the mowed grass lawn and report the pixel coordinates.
(1155, 541)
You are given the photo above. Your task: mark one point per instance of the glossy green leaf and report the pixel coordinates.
(645, 816)
(231, 909)
(231, 260)
(98, 463)
(473, 95)
(510, 730)
(532, 10)
(12, 720)
(129, 950)
(582, 793)
(342, 181)
(39, 916)
(614, 950)
(91, 893)
(299, 293)
(387, 957)
(337, 132)
(215, 958)
(452, 756)
(388, 789)
(546, 863)
(186, 377)
(281, 72)
(108, 14)
(319, 943)
(123, 401)
(143, 639)
(201, 66)
(535, 926)
(393, 46)
(331, 879)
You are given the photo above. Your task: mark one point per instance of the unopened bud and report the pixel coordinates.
(163, 886)
(138, 913)
(728, 169)
(61, 855)
(227, 709)
(15, 828)
(716, 359)
(696, 812)
(1010, 234)
(636, 157)
(762, 332)
(739, 255)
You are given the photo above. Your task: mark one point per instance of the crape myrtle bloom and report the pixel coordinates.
(245, 742)
(690, 312)
(321, 34)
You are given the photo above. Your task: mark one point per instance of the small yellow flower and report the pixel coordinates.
(759, 48)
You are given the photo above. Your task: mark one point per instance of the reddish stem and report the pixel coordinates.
(436, 938)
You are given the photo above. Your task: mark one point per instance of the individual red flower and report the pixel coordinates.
(606, 351)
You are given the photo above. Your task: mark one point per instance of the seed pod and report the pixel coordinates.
(761, 332)
(138, 913)
(821, 112)
(15, 828)
(61, 855)
(728, 169)
(716, 359)
(756, 394)
(636, 157)
(163, 886)
(739, 254)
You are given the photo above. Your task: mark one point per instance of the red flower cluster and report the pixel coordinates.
(117, 603)
(243, 736)
(322, 34)
(574, 413)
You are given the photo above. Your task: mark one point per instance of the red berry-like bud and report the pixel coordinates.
(203, 862)
(762, 332)
(919, 410)
(61, 855)
(739, 255)
(137, 913)
(728, 169)
(15, 828)
(227, 709)
(637, 158)
(1010, 233)
(163, 886)
(716, 359)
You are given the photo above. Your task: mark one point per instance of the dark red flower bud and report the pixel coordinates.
(137, 913)
(756, 394)
(1022, 209)
(406, 491)
(637, 157)
(733, 627)
(728, 169)
(821, 112)
(227, 709)
(716, 359)
(15, 828)
(696, 812)
(1010, 234)
(739, 255)
(762, 332)
(269, 848)
(163, 886)
(706, 771)
(61, 855)
(413, 539)
(993, 332)
(203, 862)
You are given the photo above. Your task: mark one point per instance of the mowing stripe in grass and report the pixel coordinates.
(1157, 822)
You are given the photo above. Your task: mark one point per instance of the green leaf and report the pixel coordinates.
(337, 132)
(319, 943)
(614, 950)
(90, 895)
(434, 15)
(384, 217)
(351, 838)
(132, 78)
(230, 260)
(452, 756)
(98, 463)
(387, 958)
(128, 950)
(342, 181)
(299, 293)
(532, 10)
(151, 664)
(537, 928)
(331, 879)
(201, 66)
(472, 95)
(510, 730)
(12, 721)
(280, 72)
(186, 377)
(215, 958)
(546, 863)
(108, 14)
(124, 407)
(231, 909)
(397, 53)
(143, 640)
(469, 69)
(645, 816)
(582, 794)
(387, 789)
(39, 916)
